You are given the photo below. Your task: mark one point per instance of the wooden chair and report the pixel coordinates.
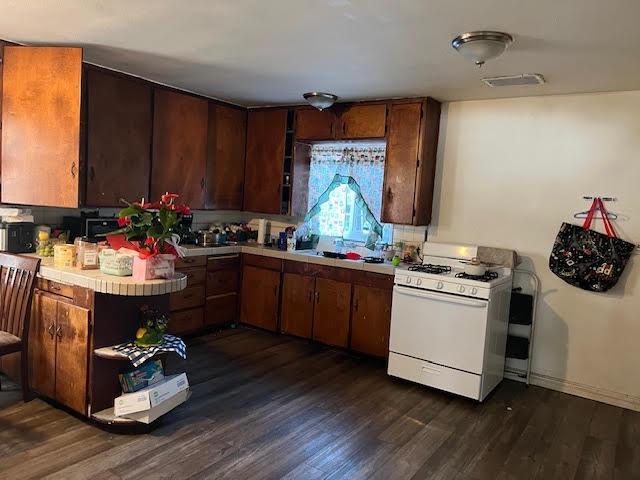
(17, 281)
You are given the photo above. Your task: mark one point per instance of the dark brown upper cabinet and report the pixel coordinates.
(119, 116)
(227, 135)
(264, 167)
(179, 146)
(41, 99)
(313, 124)
(362, 121)
(412, 140)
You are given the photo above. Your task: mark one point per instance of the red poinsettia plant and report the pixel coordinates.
(149, 228)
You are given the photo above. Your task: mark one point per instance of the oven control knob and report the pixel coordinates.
(474, 290)
(461, 289)
(408, 279)
(419, 282)
(440, 285)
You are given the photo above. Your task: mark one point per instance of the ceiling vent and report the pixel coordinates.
(515, 80)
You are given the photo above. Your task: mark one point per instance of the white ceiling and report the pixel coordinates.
(256, 52)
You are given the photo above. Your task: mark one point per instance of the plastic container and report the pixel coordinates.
(64, 255)
(86, 254)
(44, 244)
(114, 263)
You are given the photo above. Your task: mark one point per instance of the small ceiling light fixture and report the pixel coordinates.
(320, 100)
(482, 46)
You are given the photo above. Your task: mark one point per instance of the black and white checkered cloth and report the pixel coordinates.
(139, 355)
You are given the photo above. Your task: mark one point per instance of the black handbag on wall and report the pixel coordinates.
(588, 259)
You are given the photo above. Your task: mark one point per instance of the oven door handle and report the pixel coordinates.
(412, 292)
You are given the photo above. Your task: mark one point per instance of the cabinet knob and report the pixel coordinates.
(73, 170)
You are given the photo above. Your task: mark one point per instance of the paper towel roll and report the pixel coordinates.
(262, 230)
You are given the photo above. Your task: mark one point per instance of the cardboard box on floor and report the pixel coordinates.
(151, 397)
(154, 413)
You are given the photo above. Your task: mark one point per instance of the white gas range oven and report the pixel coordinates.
(448, 329)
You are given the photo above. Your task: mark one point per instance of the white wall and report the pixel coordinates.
(509, 173)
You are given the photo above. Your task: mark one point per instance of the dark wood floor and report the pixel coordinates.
(267, 406)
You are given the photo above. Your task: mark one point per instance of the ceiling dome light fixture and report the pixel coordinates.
(482, 46)
(320, 100)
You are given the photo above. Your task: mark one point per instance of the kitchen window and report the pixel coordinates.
(345, 191)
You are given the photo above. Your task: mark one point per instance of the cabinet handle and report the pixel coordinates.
(355, 305)
(317, 297)
(73, 170)
(92, 174)
(59, 332)
(202, 183)
(50, 330)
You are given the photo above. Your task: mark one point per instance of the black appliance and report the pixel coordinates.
(20, 237)
(89, 226)
(183, 228)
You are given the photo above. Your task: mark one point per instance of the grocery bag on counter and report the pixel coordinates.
(588, 259)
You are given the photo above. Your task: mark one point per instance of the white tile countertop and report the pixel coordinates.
(308, 256)
(99, 282)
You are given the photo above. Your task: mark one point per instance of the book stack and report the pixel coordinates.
(147, 393)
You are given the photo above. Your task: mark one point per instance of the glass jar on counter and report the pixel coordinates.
(45, 245)
(86, 254)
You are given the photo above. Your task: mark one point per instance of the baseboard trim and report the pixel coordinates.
(581, 390)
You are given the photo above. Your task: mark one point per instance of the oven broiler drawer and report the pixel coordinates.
(434, 375)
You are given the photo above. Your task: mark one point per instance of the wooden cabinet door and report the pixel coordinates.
(72, 353)
(227, 135)
(41, 126)
(118, 139)
(42, 344)
(298, 293)
(259, 300)
(264, 167)
(186, 321)
(313, 124)
(363, 121)
(179, 147)
(220, 282)
(331, 312)
(401, 164)
(221, 310)
(370, 320)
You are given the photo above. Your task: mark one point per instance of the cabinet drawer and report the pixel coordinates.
(54, 287)
(221, 310)
(190, 297)
(222, 281)
(188, 262)
(372, 280)
(223, 262)
(186, 321)
(195, 276)
(434, 375)
(270, 263)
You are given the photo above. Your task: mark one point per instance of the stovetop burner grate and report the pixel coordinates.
(430, 268)
(487, 277)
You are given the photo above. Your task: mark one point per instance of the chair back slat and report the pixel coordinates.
(17, 281)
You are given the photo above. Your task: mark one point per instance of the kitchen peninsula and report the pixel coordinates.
(75, 314)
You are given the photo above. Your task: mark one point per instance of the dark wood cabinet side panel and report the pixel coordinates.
(41, 96)
(119, 116)
(401, 163)
(179, 146)
(298, 294)
(264, 166)
(428, 155)
(227, 135)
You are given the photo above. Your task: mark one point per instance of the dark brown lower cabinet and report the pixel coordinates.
(59, 350)
(298, 299)
(186, 321)
(370, 320)
(260, 295)
(221, 310)
(331, 312)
